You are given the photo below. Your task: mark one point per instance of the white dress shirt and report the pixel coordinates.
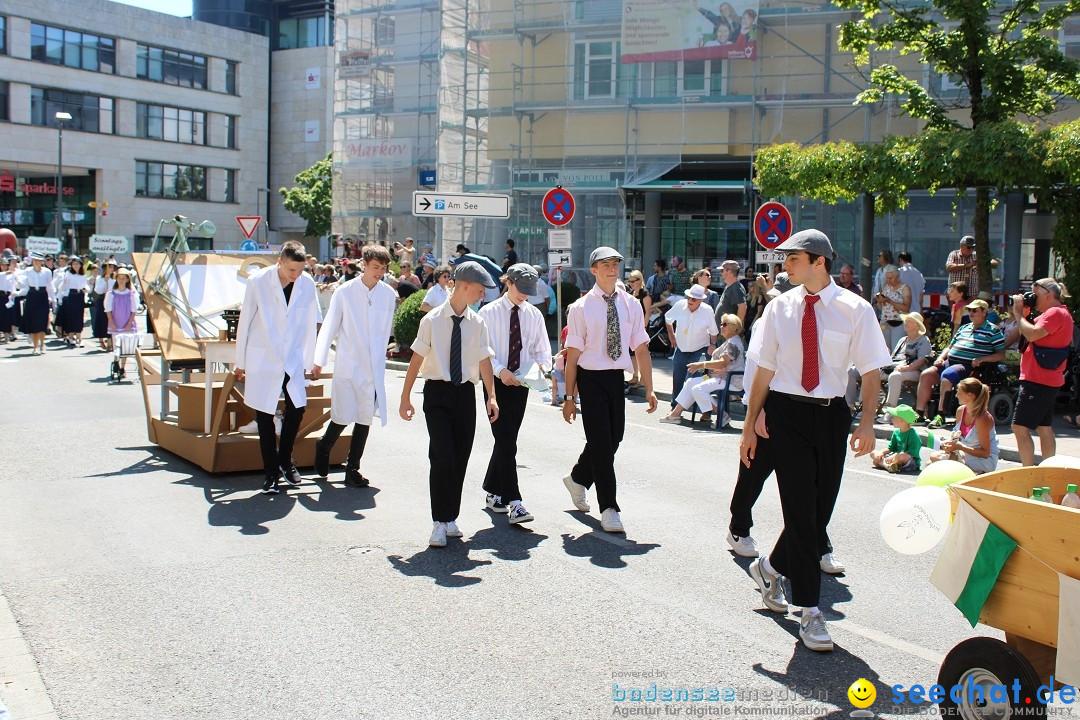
(433, 343)
(103, 285)
(436, 295)
(694, 329)
(31, 278)
(586, 323)
(910, 276)
(848, 334)
(535, 346)
(70, 281)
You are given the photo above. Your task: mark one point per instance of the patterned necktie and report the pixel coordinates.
(614, 336)
(455, 350)
(513, 361)
(810, 377)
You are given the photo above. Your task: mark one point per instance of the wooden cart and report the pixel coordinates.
(1024, 602)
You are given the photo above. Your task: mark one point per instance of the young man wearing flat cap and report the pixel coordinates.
(518, 336)
(801, 384)
(452, 351)
(603, 328)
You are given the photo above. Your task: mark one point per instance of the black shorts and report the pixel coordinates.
(1035, 405)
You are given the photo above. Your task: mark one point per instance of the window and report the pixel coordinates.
(3, 35)
(230, 131)
(161, 122)
(165, 180)
(384, 31)
(675, 78)
(302, 32)
(1070, 37)
(4, 112)
(596, 66)
(944, 83)
(89, 113)
(72, 48)
(229, 195)
(171, 67)
(230, 77)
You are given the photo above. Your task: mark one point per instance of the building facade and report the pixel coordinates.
(168, 118)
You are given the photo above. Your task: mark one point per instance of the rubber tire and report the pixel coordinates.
(1001, 407)
(1005, 662)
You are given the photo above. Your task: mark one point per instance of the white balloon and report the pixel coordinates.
(1061, 461)
(915, 520)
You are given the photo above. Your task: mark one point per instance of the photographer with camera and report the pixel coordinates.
(1042, 364)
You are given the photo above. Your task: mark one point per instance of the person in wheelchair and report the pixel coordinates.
(977, 343)
(910, 356)
(729, 357)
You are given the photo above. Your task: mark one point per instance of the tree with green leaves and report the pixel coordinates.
(312, 197)
(1005, 58)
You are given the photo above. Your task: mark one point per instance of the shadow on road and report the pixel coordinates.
(446, 565)
(821, 677)
(156, 459)
(602, 548)
(344, 501)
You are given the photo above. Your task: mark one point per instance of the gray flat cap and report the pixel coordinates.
(811, 241)
(782, 283)
(524, 277)
(472, 271)
(603, 253)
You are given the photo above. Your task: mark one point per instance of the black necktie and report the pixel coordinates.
(513, 361)
(455, 350)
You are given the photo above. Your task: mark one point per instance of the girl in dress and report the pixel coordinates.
(72, 288)
(35, 283)
(9, 314)
(103, 283)
(120, 304)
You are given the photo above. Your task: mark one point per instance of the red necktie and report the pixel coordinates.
(809, 345)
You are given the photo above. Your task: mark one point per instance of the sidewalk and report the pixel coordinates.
(1068, 438)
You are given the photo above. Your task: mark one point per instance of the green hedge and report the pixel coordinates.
(407, 319)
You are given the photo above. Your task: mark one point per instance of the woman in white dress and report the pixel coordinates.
(729, 357)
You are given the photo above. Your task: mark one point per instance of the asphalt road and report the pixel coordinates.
(146, 589)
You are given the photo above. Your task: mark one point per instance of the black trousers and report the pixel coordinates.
(502, 477)
(603, 414)
(450, 414)
(748, 489)
(277, 452)
(810, 448)
(356, 444)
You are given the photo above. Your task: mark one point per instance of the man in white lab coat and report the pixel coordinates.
(359, 318)
(275, 346)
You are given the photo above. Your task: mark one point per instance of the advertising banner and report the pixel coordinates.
(380, 152)
(668, 30)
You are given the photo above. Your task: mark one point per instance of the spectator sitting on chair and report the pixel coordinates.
(729, 357)
(692, 330)
(910, 356)
(976, 343)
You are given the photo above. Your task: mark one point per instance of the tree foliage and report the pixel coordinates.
(312, 197)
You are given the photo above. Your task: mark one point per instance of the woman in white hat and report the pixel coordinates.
(35, 283)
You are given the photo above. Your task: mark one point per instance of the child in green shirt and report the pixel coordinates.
(902, 454)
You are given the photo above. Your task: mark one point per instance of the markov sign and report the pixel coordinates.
(386, 153)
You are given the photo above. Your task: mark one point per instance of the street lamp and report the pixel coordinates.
(258, 200)
(60, 118)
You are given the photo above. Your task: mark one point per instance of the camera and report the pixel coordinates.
(1030, 300)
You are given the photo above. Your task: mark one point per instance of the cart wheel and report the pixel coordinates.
(1001, 407)
(983, 661)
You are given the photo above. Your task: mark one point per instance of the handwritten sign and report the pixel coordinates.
(108, 244)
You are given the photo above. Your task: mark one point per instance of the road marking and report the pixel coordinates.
(888, 640)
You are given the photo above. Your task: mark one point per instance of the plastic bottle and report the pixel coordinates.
(1047, 497)
(1071, 499)
(1036, 494)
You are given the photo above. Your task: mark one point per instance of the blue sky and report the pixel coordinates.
(173, 7)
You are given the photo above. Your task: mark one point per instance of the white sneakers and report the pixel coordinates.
(452, 529)
(771, 586)
(577, 493)
(743, 546)
(815, 635)
(438, 535)
(610, 522)
(831, 564)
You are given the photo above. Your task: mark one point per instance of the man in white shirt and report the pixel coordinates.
(603, 327)
(359, 318)
(518, 336)
(809, 337)
(275, 347)
(691, 327)
(540, 297)
(910, 276)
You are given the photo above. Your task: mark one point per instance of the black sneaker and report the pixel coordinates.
(270, 486)
(322, 459)
(354, 478)
(291, 475)
(495, 504)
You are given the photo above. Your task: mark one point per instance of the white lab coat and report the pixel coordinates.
(274, 339)
(360, 320)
